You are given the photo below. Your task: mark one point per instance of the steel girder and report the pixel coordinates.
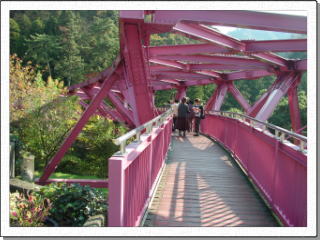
(232, 18)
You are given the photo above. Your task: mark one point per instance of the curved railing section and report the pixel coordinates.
(134, 170)
(276, 166)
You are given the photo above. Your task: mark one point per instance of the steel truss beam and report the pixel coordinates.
(91, 109)
(197, 67)
(286, 81)
(288, 45)
(294, 106)
(185, 49)
(136, 68)
(180, 75)
(181, 93)
(103, 109)
(232, 18)
(240, 61)
(247, 75)
(239, 97)
(301, 65)
(216, 100)
(208, 34)
(125, 113)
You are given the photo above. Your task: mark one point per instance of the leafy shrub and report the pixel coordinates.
(39, 116)
(93, 147)
(28, 211)
(73, 204)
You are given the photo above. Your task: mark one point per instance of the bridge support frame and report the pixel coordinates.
(136, 65)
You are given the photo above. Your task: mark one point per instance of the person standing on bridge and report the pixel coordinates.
(190, 116)
(174, 107)
(182, 120)
(198, 115)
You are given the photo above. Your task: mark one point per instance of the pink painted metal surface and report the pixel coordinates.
(279, 170)
(136, 70)
(286, 80)
(294, 107)
(96, 183)
(287, 45)
(132, 176)
(182, 92)
(185, 49)
(215, 102)
(238, 96)
(208, 34)
(242, 61)
(254, 74)
(245, 19)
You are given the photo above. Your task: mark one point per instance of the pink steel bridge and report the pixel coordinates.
(276, 166)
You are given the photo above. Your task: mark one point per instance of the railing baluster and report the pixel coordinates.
(280, 133)
(138, 171)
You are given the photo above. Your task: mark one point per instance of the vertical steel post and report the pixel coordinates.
(136, 64)
(294, 108)
(116, 192)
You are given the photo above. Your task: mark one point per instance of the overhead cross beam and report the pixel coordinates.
(234, 18)
(251, 46)
(209, 34)
(197, 58)
(288, 45)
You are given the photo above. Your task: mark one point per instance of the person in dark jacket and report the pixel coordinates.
(182, 121)
(190, 116)
(198, 115)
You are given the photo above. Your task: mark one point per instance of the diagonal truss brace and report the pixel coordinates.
(216, 100)
(104, 110)
(92, 108)
(239, 97)
(287, 80)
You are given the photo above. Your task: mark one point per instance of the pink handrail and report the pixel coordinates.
(278, 168)
(133, 175)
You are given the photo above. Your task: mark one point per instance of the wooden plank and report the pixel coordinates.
(203, 186)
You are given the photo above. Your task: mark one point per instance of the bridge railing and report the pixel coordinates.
(134, 170)
(276, 166)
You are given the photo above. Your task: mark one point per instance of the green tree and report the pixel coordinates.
(43, 49)
(15, 40)
(71, 66)
(38, 115)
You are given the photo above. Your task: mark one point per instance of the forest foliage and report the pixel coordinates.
(51, 50)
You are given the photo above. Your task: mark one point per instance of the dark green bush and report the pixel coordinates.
(73, 204)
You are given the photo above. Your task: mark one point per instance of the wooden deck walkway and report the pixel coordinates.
(202, 186)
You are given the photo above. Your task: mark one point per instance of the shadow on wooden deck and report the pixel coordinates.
(203, 186)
